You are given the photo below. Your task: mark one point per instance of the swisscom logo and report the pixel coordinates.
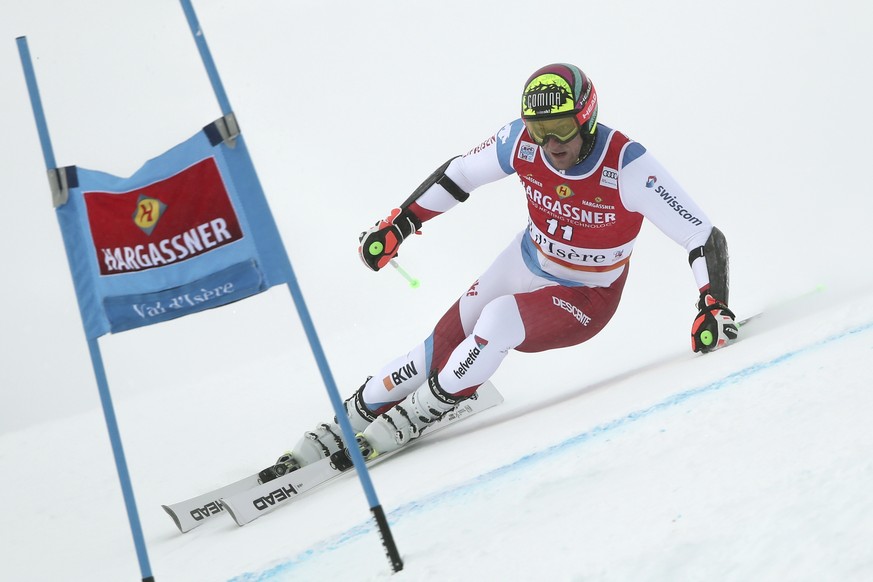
(650, 183)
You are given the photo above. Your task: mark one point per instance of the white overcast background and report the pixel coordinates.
(626, 458)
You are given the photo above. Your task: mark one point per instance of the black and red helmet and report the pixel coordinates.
(559, 100)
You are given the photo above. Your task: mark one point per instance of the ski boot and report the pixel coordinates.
(323, 442)
(407, 419)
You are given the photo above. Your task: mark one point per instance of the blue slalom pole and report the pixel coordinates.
(93, 345)
(308, 325)
(120, 462)
(348, 432)
(206, 57)
(36, 103)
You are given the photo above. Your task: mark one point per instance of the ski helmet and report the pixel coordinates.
(559, 101)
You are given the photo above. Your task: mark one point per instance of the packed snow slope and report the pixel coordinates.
(751, 463)
(628, 458)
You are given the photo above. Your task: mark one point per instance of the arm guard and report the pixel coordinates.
(716, 252)
(438, 177)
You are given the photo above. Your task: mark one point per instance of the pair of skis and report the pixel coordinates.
(248, 499)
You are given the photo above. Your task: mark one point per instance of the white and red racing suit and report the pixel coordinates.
(559, 282)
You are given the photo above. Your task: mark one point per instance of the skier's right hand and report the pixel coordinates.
(380, 243)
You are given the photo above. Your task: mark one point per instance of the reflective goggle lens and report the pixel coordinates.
(562, 129)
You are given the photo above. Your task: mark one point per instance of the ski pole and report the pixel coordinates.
(413, 282)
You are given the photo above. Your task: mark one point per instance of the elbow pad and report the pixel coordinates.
(716, 252)
(438, 177)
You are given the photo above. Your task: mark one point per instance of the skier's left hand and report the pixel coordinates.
(714, 326)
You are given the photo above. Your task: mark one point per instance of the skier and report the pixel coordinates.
(557, 284)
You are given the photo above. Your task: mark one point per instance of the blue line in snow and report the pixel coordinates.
(523, 463)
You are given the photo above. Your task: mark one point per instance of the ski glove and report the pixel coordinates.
(714, 326)
(379, 244)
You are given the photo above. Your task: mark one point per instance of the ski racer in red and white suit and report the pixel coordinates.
(559, 282)
(588, 189)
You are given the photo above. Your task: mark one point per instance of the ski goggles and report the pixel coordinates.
(562, 129)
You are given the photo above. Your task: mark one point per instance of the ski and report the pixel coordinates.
(247, 499)
(193, 512)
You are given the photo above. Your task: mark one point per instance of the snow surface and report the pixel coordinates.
(629, 458)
